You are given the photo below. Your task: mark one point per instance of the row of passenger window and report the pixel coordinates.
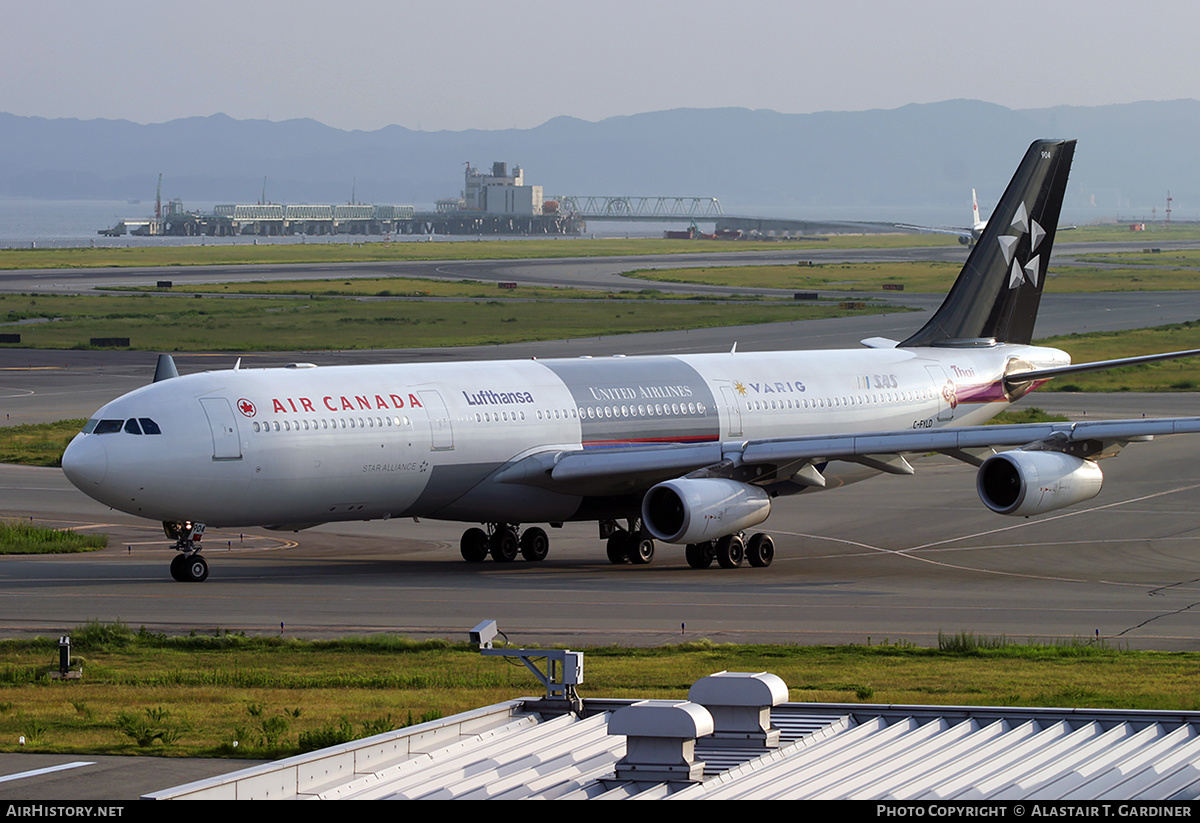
(330, 425)
(599, 412)
(134, 425)
(840, 402)
(699, 409)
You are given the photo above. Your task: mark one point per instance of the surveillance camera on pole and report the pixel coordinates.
(564, 669)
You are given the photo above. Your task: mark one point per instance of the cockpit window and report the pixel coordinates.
(134, 425)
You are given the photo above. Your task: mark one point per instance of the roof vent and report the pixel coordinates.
(740, 704)
(661, 740)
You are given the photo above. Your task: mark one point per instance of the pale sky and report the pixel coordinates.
(489, 64)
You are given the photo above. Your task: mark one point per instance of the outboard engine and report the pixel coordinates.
(1022, 482)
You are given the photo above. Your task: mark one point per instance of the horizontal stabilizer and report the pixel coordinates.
(1099, 365)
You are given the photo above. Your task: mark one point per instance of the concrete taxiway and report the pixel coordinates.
(896, 558)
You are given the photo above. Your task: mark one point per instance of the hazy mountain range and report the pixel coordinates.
(756, 162)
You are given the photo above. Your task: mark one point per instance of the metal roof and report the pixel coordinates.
(531, 748)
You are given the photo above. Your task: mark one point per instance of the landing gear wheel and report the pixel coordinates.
(187, 566)
(700, 555)
(535, 544)
(504, 546)
(760, 551)
(618, 547)
(641, 551)
(474, 545)
(730, 551)
(195, 569)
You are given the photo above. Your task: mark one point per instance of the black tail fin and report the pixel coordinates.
(996, 295)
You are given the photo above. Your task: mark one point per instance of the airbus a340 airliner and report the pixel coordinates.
(691, 450)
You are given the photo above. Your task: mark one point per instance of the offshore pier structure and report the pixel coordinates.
(498, 202)
(495, 203)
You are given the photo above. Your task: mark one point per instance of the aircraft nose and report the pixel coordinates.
(85, 462)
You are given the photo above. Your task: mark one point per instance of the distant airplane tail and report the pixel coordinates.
(975, 209)
(996, 296)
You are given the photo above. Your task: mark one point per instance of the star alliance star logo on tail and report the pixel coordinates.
(1008, 245)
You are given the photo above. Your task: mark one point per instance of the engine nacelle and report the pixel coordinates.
(1034, 482)
(693, 510)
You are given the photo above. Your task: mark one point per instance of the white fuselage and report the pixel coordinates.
(303, 445)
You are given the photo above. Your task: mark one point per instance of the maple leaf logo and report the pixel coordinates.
(246, 407)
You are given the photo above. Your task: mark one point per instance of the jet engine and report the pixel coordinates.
(694, 510)
(1022, 482)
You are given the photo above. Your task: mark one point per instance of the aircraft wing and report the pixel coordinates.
(1057, 436)
(629, 470)
(935, 229)
(1099, 365)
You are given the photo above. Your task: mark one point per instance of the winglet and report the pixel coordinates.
(165, 369)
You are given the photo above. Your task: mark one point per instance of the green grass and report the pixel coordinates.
(928, 277)
(1078, 279)
(37, 444)
(195, 695)
(225, 254)
(1154, 234)
(171, 323)
(1188, 258)
(1031, 414)
(21, 537)
(916, 277)
(417, 287)
(1169, 375)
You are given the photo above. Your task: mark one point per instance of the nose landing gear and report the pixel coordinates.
(187, 566)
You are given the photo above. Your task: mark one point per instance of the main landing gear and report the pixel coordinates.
(729, 551)
(630, 545)
(634, 545)
(501, 541)
(187, 566)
